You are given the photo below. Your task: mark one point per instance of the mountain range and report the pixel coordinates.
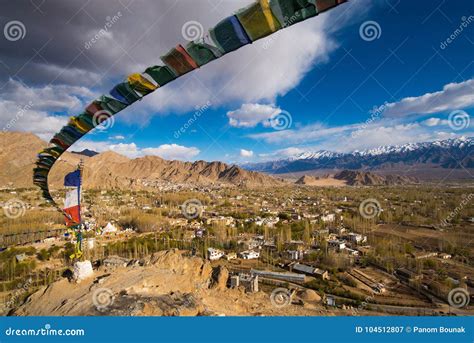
(109, 170)
(441, 156)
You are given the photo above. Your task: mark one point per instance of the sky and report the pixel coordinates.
(366, 74)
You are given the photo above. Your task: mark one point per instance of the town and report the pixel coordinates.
(358, 250)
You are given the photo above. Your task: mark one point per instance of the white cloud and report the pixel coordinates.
(387, 130)
(454, 96)
(431, 122)
(24, 108)
(259, 72)
(14, 118)
(51, 98)
(250, 115)
(251, 74)
(131, 150)
(282, 153)
(246, 153)
(173, 152)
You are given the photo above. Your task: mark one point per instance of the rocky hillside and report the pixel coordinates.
(110, 170)
(165, 284)
(358, 178)
(17, 155)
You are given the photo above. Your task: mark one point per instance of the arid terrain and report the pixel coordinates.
(110, 170)
(175, 238)
(166, 284)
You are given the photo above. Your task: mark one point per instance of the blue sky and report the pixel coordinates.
(341, 89)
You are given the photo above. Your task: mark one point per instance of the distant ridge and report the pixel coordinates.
(443, 154)
(85, 152)
(109, 170)
(356, 178)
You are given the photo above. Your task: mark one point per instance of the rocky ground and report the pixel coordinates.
(168, 283)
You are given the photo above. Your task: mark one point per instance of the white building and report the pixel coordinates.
(295, 254)
(445, 256)
(109, 228)
(214, 254)
(249, 255)
(227, 221)
(330, 300)
(351, 252)
(230, 256)
(357, 238)
(253, 244)
(337, 244)
(328, 218)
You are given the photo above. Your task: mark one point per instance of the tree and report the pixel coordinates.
(307, 233)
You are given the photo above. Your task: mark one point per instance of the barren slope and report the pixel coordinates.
(170, 284)
(111, 170)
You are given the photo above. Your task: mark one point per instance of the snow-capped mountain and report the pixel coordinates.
(316, 155)
(451, 153)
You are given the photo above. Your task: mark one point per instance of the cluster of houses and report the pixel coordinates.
(216, 254)
(340, 240)
(269, 221)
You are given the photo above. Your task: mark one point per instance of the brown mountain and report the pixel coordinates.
(307, 180)
(358, 178)
(355, 178)
(17, 155)
(110, 170)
